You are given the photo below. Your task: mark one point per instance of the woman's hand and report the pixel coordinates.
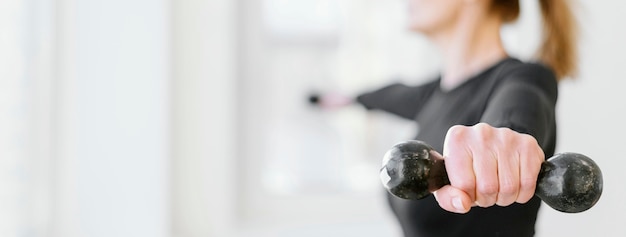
(488, 166)
(330, 101)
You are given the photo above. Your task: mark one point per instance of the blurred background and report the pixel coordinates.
(189, 118)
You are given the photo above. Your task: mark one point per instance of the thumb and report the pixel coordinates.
(453, 199)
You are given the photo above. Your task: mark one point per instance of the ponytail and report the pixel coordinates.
(560, 37)
(558, 49)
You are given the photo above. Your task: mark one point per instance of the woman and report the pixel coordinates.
(493, 116)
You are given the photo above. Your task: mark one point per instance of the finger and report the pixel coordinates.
(458, 161)
(484, 164)
(486, 172)
(453, 199)
(508, 178)
(531, 158)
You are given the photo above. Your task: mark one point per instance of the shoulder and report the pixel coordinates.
(537, 70)
(533, 74)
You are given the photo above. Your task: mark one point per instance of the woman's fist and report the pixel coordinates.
(488, 166)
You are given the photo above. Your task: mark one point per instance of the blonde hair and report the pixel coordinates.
(558, 49)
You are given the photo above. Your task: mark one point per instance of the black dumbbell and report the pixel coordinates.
(567, 182)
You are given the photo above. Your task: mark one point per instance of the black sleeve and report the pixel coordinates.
(525, 102)
(399, 99)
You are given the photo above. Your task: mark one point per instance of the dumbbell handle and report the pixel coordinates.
(568, 182)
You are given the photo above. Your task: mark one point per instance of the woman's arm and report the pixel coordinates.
(401, 100)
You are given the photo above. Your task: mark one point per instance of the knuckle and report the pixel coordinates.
(528, 141)
(481, 126)
(485, 131)
(530, 145)
(456, 131)
(528, 184)
(507, 134)
(508, 188)
(488, 189)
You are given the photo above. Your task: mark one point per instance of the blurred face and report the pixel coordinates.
(431, 16)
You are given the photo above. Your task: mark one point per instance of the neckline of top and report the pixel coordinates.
(474, 77)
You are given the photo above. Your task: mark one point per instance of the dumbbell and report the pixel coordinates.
(568, 182)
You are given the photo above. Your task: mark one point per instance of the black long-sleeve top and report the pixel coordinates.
(521, 96)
